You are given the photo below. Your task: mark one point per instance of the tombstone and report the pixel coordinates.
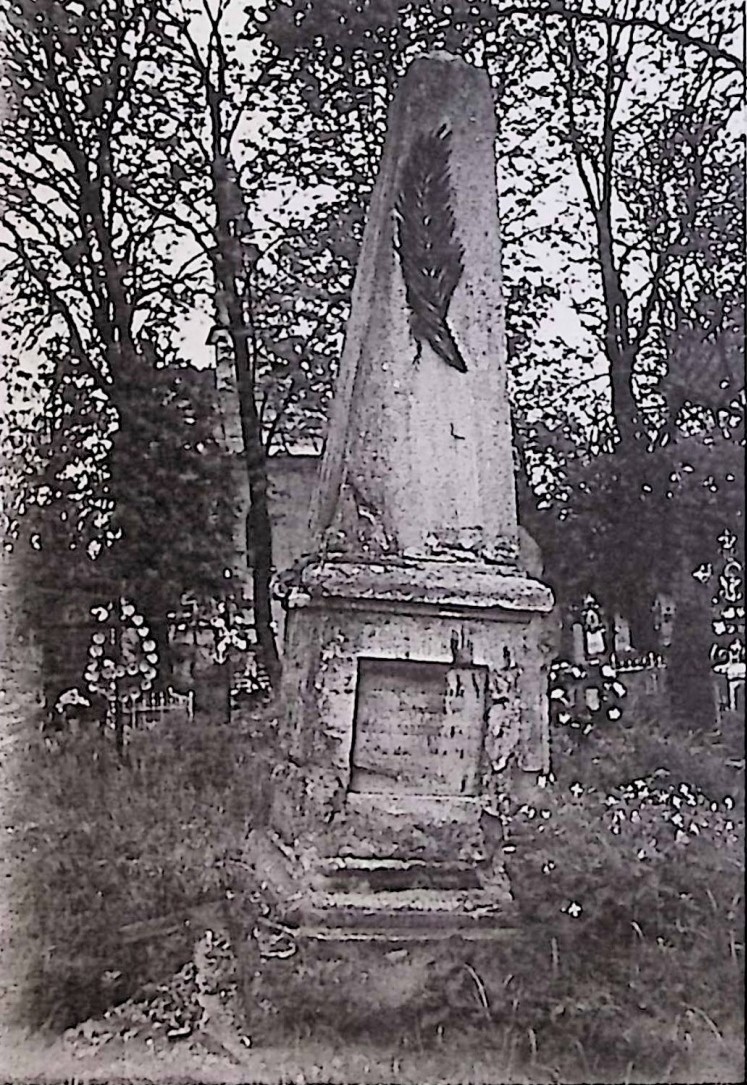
(663, 618)
(416, 649)
(623, 643)
(595, 643)
(579, 643)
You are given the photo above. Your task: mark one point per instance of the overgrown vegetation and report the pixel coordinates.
(628, 873)
(626, 869)
(107, 843)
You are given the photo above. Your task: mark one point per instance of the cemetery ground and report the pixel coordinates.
(626, 964)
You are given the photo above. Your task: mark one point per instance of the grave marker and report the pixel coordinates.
(416, 649)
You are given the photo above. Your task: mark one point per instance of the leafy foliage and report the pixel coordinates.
(145, 511)
(95, 155)
(98, 154)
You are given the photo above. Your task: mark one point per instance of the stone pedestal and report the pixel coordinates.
(414, 670)
(422, 698)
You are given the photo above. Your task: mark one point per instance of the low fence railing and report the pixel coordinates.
(149, 710)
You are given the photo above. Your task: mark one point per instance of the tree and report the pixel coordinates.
(166, 531)
(280, 297)
(647, 239)
(653, 174)
(219, 86)
(126, 208)
(98, 200)
(94, 187)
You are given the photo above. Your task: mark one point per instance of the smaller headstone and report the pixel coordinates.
(664, 608)
(595, 644)
(579, 643)
(592, 698)
(622, 635)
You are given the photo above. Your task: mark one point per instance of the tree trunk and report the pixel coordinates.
(261, 525)
(118, 710)
(234, 307)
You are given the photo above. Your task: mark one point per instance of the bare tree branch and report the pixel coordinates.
(678, 36)
(58, 305)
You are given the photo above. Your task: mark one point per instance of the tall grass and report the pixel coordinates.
(109, 843)
(627, 871)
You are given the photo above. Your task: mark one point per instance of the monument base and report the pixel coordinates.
(413, 695)
(373, 943)
(346, 898)
(389, 987)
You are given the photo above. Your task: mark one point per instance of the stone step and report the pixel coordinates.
(386, 875)
(410, 909)
(421, 912)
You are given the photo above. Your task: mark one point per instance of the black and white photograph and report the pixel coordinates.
(372, 606)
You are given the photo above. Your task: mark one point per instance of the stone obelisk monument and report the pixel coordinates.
(414, 682)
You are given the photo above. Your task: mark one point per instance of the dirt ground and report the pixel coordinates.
(31, 1059)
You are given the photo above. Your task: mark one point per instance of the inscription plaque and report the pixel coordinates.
(418, 727)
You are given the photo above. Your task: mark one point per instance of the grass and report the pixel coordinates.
(647, 972)
(108, 844)
(629, 875)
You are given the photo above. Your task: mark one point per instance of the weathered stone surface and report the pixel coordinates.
(418, 459)
(418, 728)
(438, 583)
(415, 651)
